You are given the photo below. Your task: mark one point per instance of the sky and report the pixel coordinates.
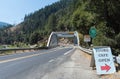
(13, 11)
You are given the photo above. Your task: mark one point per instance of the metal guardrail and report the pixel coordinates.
(15, 49)
(89, 51)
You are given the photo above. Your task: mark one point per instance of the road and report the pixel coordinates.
(32, 65)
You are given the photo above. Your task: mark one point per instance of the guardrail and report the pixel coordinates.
(89, 51)
(15, 49)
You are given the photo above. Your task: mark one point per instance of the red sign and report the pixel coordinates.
(106, 67)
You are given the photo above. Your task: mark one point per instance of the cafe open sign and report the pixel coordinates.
(104, 60)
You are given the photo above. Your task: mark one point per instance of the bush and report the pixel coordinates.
(102, 40)
(117, 38)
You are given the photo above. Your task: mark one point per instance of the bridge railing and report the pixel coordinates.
(23, 48)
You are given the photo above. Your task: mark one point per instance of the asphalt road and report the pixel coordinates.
(32, 65)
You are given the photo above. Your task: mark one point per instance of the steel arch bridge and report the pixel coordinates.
(53, 38)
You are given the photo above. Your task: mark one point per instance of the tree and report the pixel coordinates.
(108, 11)
(83, 19)
(52, 23)
(35, 37)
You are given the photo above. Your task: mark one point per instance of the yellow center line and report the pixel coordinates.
(14, 59)
(8, 60)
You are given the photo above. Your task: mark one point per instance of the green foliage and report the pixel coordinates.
(117, 38)
(18, 45)
(35, 37)
(108, 11)
(101, 39)
(82, 19)
(52, 23)
(69, 15)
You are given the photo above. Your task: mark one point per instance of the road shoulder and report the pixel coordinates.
(77, 67)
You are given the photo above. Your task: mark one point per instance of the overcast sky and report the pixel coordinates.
(13, 11)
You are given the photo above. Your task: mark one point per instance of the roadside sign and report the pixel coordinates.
(92, 32)
(104, 60)
(87, 38)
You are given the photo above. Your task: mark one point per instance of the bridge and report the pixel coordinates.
(54, 36)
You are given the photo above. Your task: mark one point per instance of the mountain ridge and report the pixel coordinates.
(2, 24)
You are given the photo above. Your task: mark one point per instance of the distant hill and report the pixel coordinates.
(2, 24)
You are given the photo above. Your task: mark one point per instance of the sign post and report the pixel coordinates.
(104, 60)
(92, 33)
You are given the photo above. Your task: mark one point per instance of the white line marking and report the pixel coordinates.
(13, 59)
(53, 50)
(69, 51)
(51, 60)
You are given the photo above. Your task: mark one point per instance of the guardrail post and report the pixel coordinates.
(15, 51)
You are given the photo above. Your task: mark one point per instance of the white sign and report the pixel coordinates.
(118, 59)
(87, 38)
(104, 60)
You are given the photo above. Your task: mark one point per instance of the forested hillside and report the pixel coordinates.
(71, 15)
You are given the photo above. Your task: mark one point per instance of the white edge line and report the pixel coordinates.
(51, 60)
(69, 51)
